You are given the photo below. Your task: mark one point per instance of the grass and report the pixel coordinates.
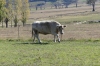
(70, 19)
(66, 53)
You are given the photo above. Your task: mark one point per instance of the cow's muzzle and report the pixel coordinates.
(62, 33)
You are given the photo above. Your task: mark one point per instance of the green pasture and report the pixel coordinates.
(78, 18)
(66, 53)
(74, 18)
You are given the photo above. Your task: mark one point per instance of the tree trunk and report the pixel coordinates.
(66, 6)
(15, 21)
(6, 24)
(76, 5)
(93, 5)
(15, 24)
(36, 7)
(55, 6)
(24, 24)
(11, 23)
(6, 21)
(2, 23)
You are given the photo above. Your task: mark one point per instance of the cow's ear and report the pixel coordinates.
(64, 25)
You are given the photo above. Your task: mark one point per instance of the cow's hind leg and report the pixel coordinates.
(33, 33)
(36, 34)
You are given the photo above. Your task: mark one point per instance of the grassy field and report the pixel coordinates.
(66, 53)
(79, 18)
(80, 45)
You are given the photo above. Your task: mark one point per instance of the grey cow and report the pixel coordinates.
(47, 27)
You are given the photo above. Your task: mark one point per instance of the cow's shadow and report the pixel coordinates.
(43, 43)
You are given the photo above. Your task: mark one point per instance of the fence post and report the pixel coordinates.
(18, 31)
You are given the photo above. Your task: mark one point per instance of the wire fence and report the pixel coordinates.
(72, 32)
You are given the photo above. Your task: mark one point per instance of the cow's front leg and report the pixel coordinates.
(54, 38)
(58, 38)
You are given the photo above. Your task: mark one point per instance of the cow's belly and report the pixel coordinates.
(44, 30)
(45, 33)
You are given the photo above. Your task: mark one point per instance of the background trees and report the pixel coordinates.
(67, 2)
(14, 11)
(56, 3)
(24, 11)
(3, 11)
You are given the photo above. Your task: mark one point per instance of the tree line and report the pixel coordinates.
(56, 3)
(64, 2)
(14, 11)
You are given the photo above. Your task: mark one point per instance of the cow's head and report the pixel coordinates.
(60, 28)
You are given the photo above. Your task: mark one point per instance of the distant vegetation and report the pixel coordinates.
(14, 11)
(56, 3)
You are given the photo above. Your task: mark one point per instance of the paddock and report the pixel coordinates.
(73, 17)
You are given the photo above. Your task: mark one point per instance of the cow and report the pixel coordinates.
(47, 27)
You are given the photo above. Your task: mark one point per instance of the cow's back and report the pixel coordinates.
(45, 27)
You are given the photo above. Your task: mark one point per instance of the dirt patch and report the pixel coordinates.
(12, 33)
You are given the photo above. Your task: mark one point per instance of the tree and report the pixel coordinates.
(10, 14)
(41, 4)
(24, 11)
(92, 2)
(3, 11)
(17, 11)
(68, 2)
(76, 1)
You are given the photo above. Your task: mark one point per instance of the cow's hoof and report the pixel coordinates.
(59, 41)
(40, 42)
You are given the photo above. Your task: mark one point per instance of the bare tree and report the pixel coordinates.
(92, 2)
(76, 1)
